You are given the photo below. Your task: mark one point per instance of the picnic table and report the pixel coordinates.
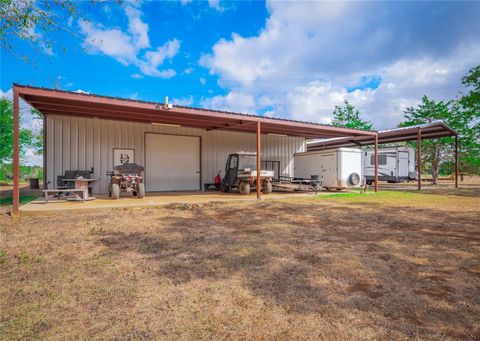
(81, 183)
(80, 190)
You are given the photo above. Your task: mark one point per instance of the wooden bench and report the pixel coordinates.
(84, 192)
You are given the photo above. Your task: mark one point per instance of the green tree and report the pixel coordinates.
(462, 115)
(467, 112)
(348, 116)
(437, 150)
(27, 138)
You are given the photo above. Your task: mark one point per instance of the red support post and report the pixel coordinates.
(456, 161)
(259, 184)
(16, 152)
(419, 158)
(376, 163)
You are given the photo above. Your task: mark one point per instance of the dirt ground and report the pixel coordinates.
(392, 265)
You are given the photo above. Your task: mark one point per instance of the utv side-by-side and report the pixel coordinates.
(241, 173)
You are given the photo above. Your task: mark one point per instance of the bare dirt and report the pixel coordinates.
(396, 265)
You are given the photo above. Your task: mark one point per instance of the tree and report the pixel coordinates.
(437, 150)
(28, 20)
(467, 109)
(349, 117)
(6, 133)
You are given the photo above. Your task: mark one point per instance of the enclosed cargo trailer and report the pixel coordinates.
(338, 168)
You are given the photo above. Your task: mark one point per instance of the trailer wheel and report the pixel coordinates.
(115, 191)
(354, 179)
(244, 187)
(141, 190)
(267, 187)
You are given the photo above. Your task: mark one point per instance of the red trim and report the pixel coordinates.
(16, 152)
(63, 102)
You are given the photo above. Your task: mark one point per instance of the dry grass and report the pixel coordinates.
(389, 266)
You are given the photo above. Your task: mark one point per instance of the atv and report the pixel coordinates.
(127, 177)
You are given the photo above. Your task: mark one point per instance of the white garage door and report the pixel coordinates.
(172, 163)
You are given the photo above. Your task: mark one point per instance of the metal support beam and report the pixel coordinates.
(419, 158)
(376, 163)
(228, 126)
(259, 184)
(16, 152)
(456, 161)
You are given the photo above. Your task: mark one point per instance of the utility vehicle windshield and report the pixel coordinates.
(247, 161)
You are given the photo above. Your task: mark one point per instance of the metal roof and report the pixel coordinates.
(59, 102)
(431, 130)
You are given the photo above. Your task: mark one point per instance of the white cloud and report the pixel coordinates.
(233, 101)
(137, 28)
(113, 43)
(185, 101)
(307, 55)
(131, 47)
(187, 71)
(215, 4)
(203, 81)
(152, 59)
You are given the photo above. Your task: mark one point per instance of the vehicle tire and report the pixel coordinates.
(244, 188)
(369, 182)
(141, 191)
(223, 187)
(267, 187)
(354, 179)
(115, 191)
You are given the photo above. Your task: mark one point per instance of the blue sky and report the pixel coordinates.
(282, 59)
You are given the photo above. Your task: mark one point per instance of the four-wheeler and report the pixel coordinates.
(241, 173)
(127, 177)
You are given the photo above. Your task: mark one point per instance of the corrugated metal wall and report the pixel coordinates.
(82, 143)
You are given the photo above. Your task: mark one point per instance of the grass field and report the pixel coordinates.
(392, 265)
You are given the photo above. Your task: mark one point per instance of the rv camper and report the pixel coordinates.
(396, 164)
(338, 168)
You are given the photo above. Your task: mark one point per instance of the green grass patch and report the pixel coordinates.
(24, 199)
(399, 198)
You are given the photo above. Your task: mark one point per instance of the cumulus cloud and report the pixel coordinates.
(113, 42)
(233, 101)
(131, 47)
(153, 59)
(381, 56)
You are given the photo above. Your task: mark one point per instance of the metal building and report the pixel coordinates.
(180, 147)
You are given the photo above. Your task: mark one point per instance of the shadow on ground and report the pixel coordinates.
(414, 272)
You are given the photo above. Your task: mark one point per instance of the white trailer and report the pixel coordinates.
(338, 168)
(395, 164)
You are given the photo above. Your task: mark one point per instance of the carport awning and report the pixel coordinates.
(56, 102)
(431, 130)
